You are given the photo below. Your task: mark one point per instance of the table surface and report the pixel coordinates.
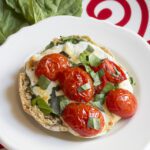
(131, 14)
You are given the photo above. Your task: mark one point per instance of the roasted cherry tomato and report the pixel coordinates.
(50, 65)
(72, 79)
(121, 102)
(112, 71)
(76, 115)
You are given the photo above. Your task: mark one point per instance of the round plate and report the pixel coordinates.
(19, 131)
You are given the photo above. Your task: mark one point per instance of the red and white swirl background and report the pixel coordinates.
(132, 14)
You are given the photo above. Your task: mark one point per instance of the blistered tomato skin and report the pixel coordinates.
(121, 102)
(50, 66)
(76, 115)
(112, 71)
(71, 80)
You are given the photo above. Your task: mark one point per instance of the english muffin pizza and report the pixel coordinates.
(76, 86)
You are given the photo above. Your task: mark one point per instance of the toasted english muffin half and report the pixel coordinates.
(50, 122)
(53, 122)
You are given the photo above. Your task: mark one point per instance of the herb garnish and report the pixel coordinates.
(84, 87)
(43, 82)
(42, 105)
(94, 123)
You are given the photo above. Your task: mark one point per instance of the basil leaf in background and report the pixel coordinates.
(36, 10)
(94, 61)
(43, 82)
(54, 101)
(84, 87)
(14, 5)
(10, 22)
(94, 123)
(15, 14)
(98, 105)
(43, 106)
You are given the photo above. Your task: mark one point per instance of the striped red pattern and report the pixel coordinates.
(105, 13)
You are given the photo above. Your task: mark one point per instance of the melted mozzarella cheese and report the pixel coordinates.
(126, 85)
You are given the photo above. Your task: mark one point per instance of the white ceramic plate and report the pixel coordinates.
(19, 131)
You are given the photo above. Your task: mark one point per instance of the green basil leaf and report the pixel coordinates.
(90, 49)
(94, 60)
(98, 105)
(14, 5)
(43, 82)
(84, 56)
(101, 73)
(64, 101)
(95, 76)
(10, 22)
(54, 101)
(93, 123)
(88, 68)
(36, 10)
(15, 14)
(43, 106)
(84, 87)
(108, 87)
(34, 101)
(100, 97)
